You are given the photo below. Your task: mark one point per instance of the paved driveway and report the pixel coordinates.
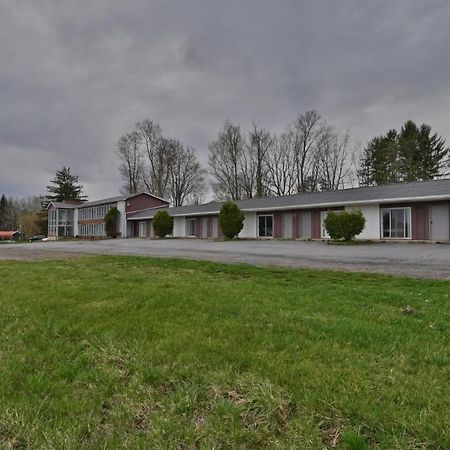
(412, 259)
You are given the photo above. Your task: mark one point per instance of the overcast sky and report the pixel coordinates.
(75, 75)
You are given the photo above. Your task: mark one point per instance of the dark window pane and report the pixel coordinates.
(191, 227)
(269, 226)
(262, 226)
(386, 224)
(407, 223)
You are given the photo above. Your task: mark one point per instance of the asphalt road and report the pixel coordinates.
(401, 258)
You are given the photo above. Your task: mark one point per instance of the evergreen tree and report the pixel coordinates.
(231, 219)
(379, 163)
(111, 222)
(8, 214)
(64, 187)
(409, 155)
(3, 212)
(424, 154)
(162, 224)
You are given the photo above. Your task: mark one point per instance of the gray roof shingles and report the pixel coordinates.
(384, 194)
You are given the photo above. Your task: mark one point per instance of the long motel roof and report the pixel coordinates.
(391, 193)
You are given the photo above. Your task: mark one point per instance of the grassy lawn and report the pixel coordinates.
(123, 352)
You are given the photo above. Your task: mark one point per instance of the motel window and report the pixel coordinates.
(396, 223)
(142, 229)
(65, 222)
(52, 222)
(94, 212)
(265, 226)
(191, 227)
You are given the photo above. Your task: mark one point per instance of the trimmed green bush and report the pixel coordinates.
(231, 219)
(162, 224)
(344, 225)
(111, 223)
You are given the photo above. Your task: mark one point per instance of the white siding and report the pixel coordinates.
(372, 215)
(250, 229)
(123, 219)
(179, 227)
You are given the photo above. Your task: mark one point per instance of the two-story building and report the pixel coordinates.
(73, 218)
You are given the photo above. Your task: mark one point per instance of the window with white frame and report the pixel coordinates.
(92, 229)
(396, 223)
(65, 222)
(52, 222)
(265, 226)
(94, 212)
(191, 227)
(323, 231)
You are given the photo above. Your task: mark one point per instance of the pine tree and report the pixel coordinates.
(64, 187)
(379, 163)
(433, 153)
(8, 214)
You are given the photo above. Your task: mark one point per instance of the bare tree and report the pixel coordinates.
(225, 160)
(334, 159)
(280, 166)
(158, 155)
(186, 176)
(254, 162)
(131, 167)
(307, 131)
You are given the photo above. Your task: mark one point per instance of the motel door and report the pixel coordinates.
(439, 222)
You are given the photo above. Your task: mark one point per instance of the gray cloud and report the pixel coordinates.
(76, 75)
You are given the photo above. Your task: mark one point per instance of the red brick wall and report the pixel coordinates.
(143, 201)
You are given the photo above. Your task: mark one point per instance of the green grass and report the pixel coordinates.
(122, 352)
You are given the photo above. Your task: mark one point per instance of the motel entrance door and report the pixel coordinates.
(439, 222)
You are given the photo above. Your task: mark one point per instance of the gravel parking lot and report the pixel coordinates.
(400, 258)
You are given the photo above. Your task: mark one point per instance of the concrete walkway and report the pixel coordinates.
(395, 258)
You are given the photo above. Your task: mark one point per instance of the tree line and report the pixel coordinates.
(310, 155)
(20, 213)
